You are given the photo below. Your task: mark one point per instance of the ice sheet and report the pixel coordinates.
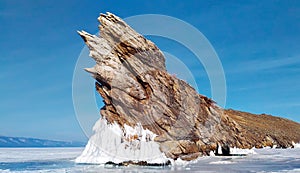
(31, 160)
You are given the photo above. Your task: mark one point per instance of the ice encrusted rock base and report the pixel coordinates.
(112, 144)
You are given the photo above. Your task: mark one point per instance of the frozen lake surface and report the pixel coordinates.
(62, 160)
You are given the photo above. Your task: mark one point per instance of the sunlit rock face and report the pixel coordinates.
(137, 90)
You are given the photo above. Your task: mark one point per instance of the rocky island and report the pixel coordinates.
(148, 107)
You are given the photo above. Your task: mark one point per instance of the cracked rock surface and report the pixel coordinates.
(132, 79)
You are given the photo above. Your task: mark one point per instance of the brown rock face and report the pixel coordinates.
(133, 81)
(266, 130)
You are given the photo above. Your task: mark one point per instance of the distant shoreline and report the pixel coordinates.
(22, 142)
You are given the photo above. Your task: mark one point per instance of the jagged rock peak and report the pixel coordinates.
(132, 79)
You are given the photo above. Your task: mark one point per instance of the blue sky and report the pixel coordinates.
(257, 43)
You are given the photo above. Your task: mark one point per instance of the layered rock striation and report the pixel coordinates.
(136, 88)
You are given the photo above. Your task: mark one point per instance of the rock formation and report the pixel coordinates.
(132, 79)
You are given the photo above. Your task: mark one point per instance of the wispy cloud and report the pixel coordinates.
(264, 64)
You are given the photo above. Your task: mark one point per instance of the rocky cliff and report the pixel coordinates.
(132, 79)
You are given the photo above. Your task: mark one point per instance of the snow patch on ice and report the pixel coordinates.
(179, 162)
(296, 145)
(296, 170)
(182, 163)
(111, 143)
(241, 151)
(221, 162)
